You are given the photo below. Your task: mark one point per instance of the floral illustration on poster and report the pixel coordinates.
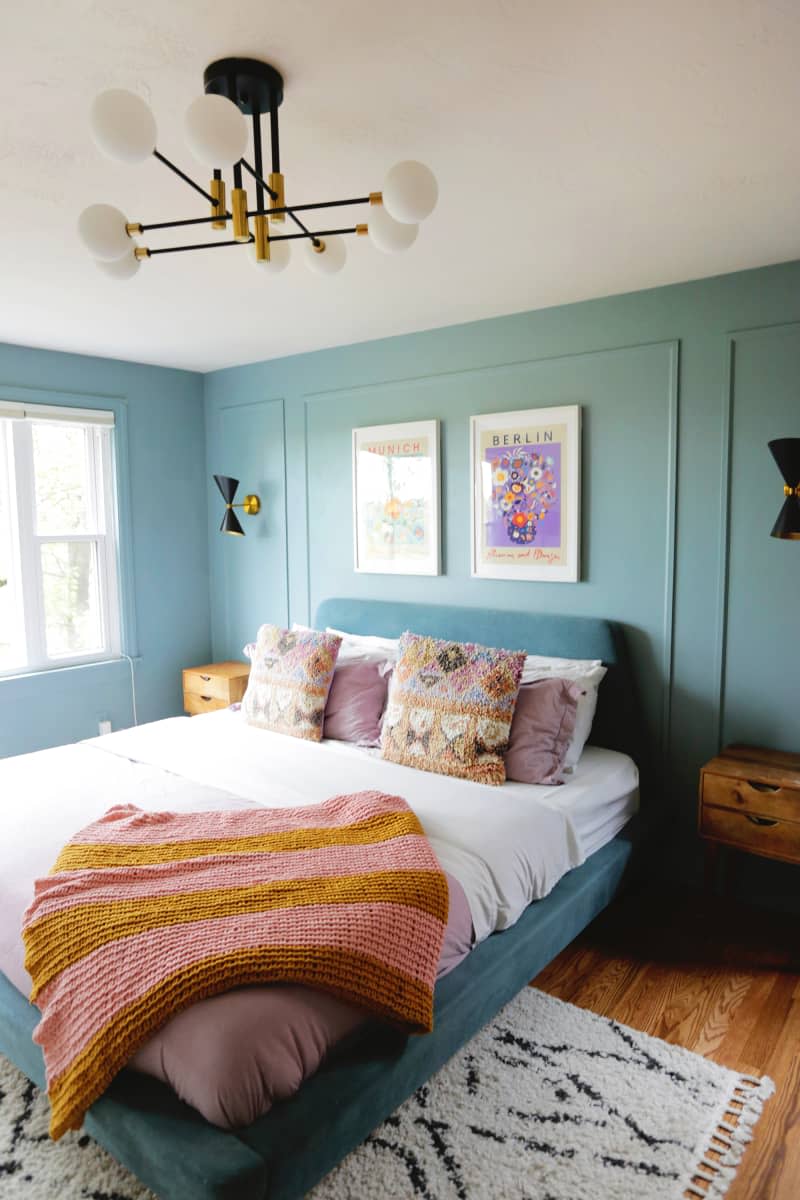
(526, 494)
(396, 498)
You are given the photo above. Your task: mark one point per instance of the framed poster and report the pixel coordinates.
(396, 498)
(526, 494)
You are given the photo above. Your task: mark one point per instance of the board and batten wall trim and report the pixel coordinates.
(698, 496)
(401, 387)
(261, 469)
(734, 341)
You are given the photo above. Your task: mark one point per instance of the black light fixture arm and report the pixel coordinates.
(256, 212)
(260, 182)
(147, 252)
(261, 211)
(274, 138)
(182, 175)
(257, 157)
(195, 246)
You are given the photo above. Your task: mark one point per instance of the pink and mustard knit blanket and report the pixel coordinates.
(146, 913)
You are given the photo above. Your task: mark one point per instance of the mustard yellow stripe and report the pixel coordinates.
(61, 938)
(358, 978)
(78, 856)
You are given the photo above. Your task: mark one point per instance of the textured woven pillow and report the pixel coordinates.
(450, 708)
(290, 677)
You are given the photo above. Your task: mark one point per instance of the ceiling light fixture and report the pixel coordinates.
(216, 130)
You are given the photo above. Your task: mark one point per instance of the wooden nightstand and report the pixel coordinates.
(750, 800)
(213, 686)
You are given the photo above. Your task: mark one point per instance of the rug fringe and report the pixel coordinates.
(744, 1103)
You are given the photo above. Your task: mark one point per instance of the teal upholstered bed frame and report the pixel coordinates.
(282, 1155)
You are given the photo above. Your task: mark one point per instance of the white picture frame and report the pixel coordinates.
(535, 535)
(396, 499)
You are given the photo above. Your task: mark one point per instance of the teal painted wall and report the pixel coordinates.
(681, 389)
(164, 480)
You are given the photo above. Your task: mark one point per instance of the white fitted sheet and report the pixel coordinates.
(506, 846)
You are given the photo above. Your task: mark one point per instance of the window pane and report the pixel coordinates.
(71, 598)
(63, 479)
(12, 651)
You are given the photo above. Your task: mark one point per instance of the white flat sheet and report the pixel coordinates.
(506, 846)
(46, 797)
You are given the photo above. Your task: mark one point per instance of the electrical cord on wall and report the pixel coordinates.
(133, 687)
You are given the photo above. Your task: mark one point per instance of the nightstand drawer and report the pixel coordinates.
(760, 834)
(202, 684)
(751, 796)
(227, 681)
(193, 704)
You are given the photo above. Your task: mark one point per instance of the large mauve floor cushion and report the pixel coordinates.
(232, 1056)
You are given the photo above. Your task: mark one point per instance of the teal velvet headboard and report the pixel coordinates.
(618, 721)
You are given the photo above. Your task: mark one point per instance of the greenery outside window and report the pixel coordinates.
(59, 595)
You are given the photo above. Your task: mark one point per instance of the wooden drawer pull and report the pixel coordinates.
(762, 821)
(762, 787)
(207, 698)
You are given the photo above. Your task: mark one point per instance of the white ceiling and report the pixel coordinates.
(582, 147)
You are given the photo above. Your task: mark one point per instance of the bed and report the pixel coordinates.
(283, 1154)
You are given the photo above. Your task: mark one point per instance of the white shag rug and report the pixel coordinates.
(548, 1102)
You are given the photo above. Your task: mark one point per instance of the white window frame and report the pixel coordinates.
(27, 540)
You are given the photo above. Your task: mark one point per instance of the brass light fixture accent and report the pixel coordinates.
(217, 132)
(218, 209)
(261, 238)
(277, 197)
(786, 452)
(251, 505)
(241, 229)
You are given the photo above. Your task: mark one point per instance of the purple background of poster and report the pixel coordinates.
(548, 531)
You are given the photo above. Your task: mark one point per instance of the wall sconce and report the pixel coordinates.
(251, 505)
(786, 452)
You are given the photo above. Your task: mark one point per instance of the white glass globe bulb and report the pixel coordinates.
(387, 234)
(121, 268)
(123, 126)
(278, 260)
(410, 192)
(327, 261)
(215, 130)
(102, 230)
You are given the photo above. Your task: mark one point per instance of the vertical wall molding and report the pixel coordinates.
(726, 439)
(670, 551)
(727, 429)
(282, 485)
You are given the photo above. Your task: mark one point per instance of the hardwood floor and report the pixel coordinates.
(716, 978)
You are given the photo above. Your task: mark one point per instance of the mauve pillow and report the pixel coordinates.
(543, 724)
(356, 702)
(232, 1056)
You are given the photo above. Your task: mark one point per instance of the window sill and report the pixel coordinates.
(44, 672)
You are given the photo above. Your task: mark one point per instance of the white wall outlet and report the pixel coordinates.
(104, 726)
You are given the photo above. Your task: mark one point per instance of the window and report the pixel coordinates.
(58, 556)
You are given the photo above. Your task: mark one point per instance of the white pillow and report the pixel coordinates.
(363, 646)
(540, 666)
(587, 672)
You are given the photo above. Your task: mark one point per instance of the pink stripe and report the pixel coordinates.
(59, 892)
(126, 824)
(403, 937)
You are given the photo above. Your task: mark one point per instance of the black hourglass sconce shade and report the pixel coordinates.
(786, 452)
(251, 505)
